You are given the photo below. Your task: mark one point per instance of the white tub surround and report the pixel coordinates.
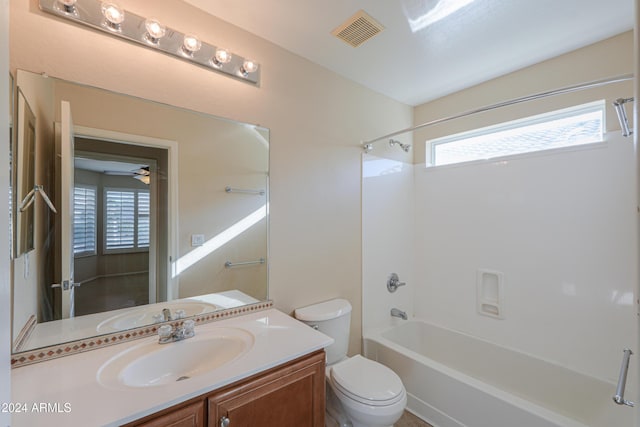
(388, 226)
(456, 380)
(74, 395)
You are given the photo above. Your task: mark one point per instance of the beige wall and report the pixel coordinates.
(30, 269)
(609, 58)
(316, 118)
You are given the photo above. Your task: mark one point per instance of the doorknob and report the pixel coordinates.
(225, 422)
(66, 285)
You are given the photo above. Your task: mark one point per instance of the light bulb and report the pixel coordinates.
(155, 30)
(248, 66)
(222, 56)
(113, 14)
(191, 44)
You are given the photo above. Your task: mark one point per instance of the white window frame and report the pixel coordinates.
(95, 216)
(595, 106)
(135, 247)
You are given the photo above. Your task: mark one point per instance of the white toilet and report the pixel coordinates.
(360, 392)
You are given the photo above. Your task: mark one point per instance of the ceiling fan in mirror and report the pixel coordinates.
(137, 171)
(142, 174)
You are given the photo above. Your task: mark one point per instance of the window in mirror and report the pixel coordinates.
(127, 219)
(84, 220)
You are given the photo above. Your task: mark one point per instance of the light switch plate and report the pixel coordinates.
(197, 239)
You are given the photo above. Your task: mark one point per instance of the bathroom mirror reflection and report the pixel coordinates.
(139, 206)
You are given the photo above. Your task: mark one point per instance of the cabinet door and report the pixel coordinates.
(187, 416)
(291, 396)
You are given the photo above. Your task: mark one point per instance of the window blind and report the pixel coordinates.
(84, 220)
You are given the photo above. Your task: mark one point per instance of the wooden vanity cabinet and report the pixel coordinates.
(289, 395)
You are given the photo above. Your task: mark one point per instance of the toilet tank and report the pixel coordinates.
(332, 318)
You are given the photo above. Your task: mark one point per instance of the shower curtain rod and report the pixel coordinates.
(568, 89)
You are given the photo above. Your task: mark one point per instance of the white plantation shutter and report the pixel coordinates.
(144, 212)
(119, 219)
(84, 220)
(126, 219)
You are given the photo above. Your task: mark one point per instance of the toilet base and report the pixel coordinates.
(338, 416)
(334, 413)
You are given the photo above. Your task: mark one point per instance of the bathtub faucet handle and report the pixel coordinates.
(394, 283)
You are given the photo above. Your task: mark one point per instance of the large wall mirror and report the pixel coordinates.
(135, 207)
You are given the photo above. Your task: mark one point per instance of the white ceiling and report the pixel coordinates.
(478, 42)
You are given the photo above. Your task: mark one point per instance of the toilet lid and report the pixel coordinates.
(367, 381)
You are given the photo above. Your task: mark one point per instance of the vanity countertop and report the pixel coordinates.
(66, 391)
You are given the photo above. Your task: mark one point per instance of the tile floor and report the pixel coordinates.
(410, 420)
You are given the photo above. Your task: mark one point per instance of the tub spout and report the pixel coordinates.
(398, 313)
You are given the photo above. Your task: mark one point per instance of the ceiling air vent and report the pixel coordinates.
(358, 29)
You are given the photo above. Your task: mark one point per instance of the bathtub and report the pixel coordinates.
(455, 380)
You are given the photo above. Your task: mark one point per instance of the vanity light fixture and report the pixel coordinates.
(113, 16)
(248, 66)
(155, 30)
(110, 18)
(221, 57)
(191, 44)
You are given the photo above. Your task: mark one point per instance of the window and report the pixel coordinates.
(144, 210)
(564, 128)
(127, 217)
(84, 220)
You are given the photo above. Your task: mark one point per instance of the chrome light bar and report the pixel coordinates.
(107, 17)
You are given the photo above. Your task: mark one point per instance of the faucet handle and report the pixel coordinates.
(394, 283)
(189, 327)
(179, 314)
(165, 332)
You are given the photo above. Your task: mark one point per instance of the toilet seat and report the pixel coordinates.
(367, 381)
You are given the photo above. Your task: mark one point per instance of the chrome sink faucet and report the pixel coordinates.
(166, 315)
(167, 333)
(398, 313)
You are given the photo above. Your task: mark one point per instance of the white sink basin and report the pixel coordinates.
(142, 316)
(151, 364)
